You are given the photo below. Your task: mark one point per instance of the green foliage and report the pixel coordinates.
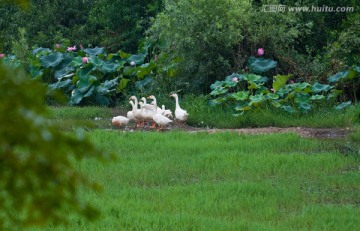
(115, 25)
(198, 37)
(348, 82)
(248, 91)
(90, 76)
(224, 34)
(38, 178)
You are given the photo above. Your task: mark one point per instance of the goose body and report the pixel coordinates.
(180, 114)
(135, 111)
(160, 119)
(120, 121)
(166, 112)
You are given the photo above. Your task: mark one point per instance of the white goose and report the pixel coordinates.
(120, 121)
(180, 114)
(166, 112)
(160, 119)
(152, 106)
(136, 112)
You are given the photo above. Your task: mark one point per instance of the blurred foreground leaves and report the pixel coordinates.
(38, 179)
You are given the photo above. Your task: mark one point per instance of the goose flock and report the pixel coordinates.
(142, 112)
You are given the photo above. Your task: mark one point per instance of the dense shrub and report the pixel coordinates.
(209, 39)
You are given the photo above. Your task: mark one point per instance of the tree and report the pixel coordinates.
(209, 39)
(38, 180)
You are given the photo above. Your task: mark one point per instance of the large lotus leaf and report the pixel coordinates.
(138, 59)
(76, 97)
(317, 97)
(288, 108)
(256, 100)
(304, 107)
(96, 61)
(85, 82)
(90, 92)
(352, 74)
(144, 70)
(240, 96)
(279, 81)
(302, 98)
(102, 100)
(41, 50)
(63, 72)
(234, 75)
(35, 72)
(123, 84)
(318, 87)
(142, 84)
(108, 84)
(263, 79)
(128, 71)
(219, 91)
(334, 93)
(338, 76)
(217, 101)
(77, 61)
(94, 51)
(284, 91)
(243, 108)
(253, 85)
(124, 55)
(252, 77)
(272, 96)
(260, 65)
(302, 87)
(60, 84)
(85, 70)
(357, 69)
(276, 103)
(342, 105)
(51, 60)
(109, 67)
(217, 84)
(262, 89)
(229, 84)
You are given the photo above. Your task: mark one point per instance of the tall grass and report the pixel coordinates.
(221, 181)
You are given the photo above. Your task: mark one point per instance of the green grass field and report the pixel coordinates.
(221, 181)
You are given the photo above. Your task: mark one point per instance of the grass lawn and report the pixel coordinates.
(221, 181)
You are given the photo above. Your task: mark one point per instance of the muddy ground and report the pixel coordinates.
(302, 131)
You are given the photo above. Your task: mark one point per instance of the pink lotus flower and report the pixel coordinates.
(272, 89)
(292, 82)
(57, 45)
(85, 60)
(71, 48)
(235, 79)
(2, 55)
(260, 51)
(132, 63)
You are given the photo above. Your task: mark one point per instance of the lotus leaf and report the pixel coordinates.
(338, 76)
(51, 60)
(279, 81)
(94, 51)
(260, 65)
(342, 105)
(318, 87)
(123, 84)
(240, 96)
